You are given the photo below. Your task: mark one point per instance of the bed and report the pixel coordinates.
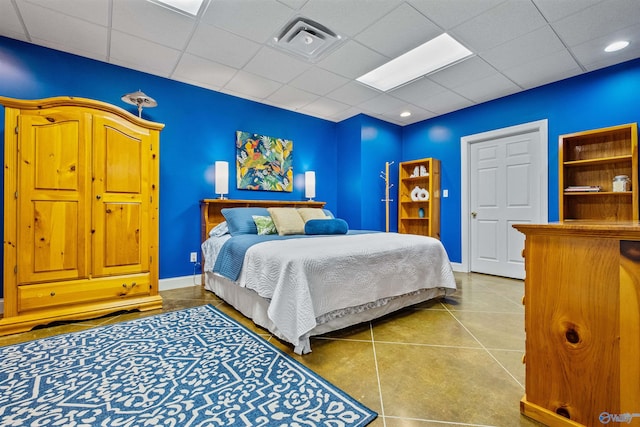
(301, 282)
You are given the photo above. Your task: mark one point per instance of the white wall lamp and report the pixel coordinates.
(310, 185)
(140, 99)
(222, 178)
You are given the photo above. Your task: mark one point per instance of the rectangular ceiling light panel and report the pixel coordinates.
(431, 56)
(189, 6)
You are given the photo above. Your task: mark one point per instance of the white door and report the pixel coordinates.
(505, 188)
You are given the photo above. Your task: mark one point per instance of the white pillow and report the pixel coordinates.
(219, 230)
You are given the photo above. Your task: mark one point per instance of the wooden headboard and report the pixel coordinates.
(211, 210)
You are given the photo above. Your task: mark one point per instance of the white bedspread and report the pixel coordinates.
(307, 278)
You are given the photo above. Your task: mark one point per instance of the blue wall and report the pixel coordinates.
(365, 145)
(200, 129)
(598, 99)
(347, 157)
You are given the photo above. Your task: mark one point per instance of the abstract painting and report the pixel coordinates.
(263, 162)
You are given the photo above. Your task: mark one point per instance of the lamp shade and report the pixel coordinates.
(310, 184)
(222, 178)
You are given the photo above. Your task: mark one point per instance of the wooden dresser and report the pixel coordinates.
(582, 321)
(80, 211)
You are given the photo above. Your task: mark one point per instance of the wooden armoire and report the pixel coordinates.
(80, 211)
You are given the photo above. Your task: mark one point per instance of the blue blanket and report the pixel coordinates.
(231, 257)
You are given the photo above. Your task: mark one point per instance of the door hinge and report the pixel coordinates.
(15, 194)
(17, 129)
(15, 269)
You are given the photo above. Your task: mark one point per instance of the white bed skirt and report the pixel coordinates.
(253, 306)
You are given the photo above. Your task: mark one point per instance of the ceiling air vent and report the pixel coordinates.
(306, 38)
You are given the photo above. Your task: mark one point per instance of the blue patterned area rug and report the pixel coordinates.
(194, 367)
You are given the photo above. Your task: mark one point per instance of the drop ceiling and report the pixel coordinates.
(228, 47)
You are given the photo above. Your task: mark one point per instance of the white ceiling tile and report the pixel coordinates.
(324, 107)
(95, 11)
(252, 85)
(554, 10)
(294, 4)
(142, 54)
(202, 72)
(221, 46)
(444, 102)
(513, 18)
(10, 25)
(487, 88)
(347, 18)
(318, 81)
(417, 91)
(345, 114)
(416, 29)
(257, 20)
(448, 14)
(150, 21)
(291, 98)
(417, 115)
(598, 21)
(557, 66)
(592, 56)
(353, 93)
(275, 65)
(536, 44)
(382, 104)
(470, 69)
(352, 60)
(64, 32)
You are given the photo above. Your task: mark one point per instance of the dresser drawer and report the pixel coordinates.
(45, 295)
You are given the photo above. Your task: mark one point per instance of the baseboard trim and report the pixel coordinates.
(178, 282)
(456, 266)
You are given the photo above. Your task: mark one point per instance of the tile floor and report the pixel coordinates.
(455, 362)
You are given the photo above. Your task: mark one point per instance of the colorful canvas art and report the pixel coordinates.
(264, 162)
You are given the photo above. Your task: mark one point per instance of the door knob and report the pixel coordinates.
(474, 214)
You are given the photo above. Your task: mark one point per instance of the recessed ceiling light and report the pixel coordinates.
(192, 7)
(615, 46)
(405, 114)
(431, 56)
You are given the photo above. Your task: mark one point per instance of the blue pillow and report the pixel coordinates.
(326, 226)
(240, 220)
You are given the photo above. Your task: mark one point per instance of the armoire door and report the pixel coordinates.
(53, 213)
(120, 197)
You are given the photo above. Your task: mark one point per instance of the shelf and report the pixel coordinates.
(598, 193)
(415, 178)
(420, 217)
(604, 160)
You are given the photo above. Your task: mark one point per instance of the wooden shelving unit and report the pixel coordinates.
(594, 158)
(419, 216)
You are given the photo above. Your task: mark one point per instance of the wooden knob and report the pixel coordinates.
(53, 294)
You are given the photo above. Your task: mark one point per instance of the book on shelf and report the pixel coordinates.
(582, 188)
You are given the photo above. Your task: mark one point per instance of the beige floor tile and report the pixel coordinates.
(495, 330)
(457, 385)
(434, 327)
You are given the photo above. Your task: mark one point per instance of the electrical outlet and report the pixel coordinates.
(194, 257)
(445, 193)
